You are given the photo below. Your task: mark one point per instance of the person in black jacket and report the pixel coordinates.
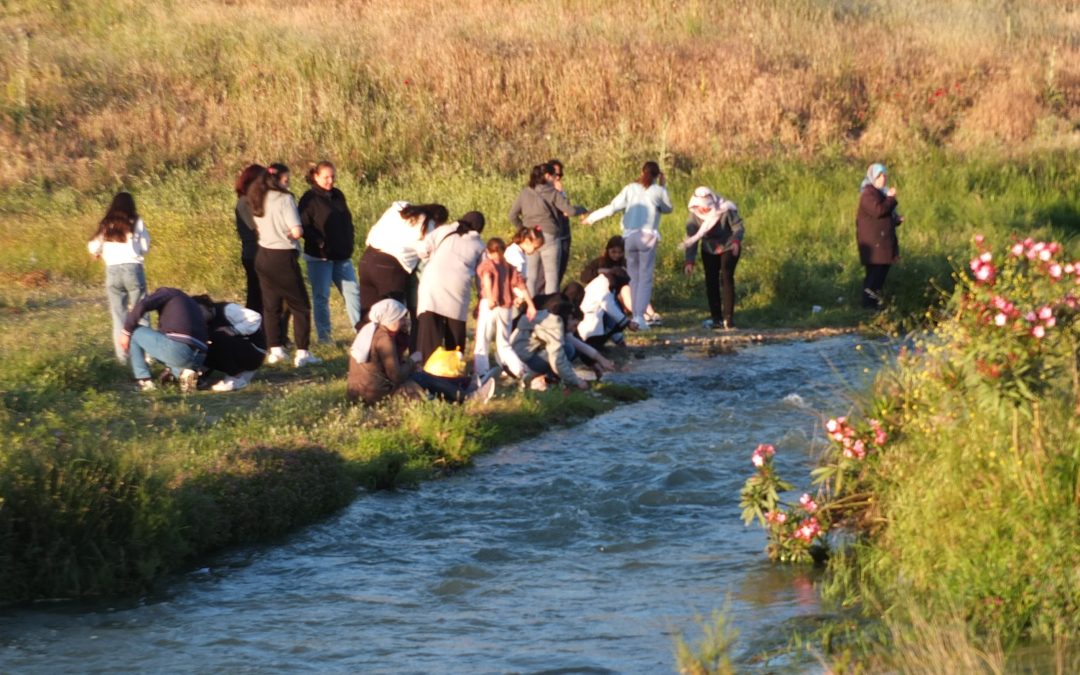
(875, 231)
(237, 343)
(329, 239)
(180, 341)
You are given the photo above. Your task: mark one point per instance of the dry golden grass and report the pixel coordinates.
(97, 92)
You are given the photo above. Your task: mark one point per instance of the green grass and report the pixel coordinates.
(799, 252)
(102, 490)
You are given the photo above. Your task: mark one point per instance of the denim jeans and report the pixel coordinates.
(449, 388)
(320, 274)
(174, 354)
(543, 266)
(125, 285)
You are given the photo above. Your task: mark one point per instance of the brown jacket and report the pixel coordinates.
(875, 228)
(384, 373)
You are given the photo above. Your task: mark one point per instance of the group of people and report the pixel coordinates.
(410, 301)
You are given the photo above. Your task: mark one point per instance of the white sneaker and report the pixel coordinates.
(145, 385)
(231, 383)
(277, 355)
(305, 358)
(189, 380)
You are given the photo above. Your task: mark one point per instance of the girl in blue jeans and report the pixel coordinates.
(122, 241)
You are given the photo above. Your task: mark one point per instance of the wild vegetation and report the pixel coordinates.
(974, 106)
(960, 475)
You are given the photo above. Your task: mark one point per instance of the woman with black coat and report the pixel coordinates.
(329, 240)
(875, 231)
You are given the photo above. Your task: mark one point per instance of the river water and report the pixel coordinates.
(581, 551)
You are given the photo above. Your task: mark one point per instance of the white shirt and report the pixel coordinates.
(126, 252)
(396, 236)
(516, 258)
(641, 208)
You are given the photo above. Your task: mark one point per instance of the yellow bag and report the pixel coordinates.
(445, 363)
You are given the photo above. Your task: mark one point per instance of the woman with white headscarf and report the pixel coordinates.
(716, 224)
(875, 231)
(379, 365)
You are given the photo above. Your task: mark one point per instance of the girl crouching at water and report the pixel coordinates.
(122, 241)
(379, 366)
(541, 341)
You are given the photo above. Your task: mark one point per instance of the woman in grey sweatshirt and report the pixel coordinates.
(541, 206)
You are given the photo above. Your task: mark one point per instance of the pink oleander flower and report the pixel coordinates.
(761, 454)
(1031, 317)
(880, 437)
(1050, 323)
(979, 239)
(837, 436)
(1000, 319)
(1038, 332)
(808, 503)
(986, 257)
(1046, 312)
(775, 517)
(1017, 249)
(1045, 255)
(983, 271)
(832, 425)
(1054, 271)
(808, 529)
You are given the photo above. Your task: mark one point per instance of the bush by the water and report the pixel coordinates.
(961, 475)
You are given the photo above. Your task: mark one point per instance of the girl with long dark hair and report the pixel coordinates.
(276, 262)
(122, 241)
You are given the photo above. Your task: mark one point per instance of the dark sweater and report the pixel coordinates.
(245, 229)
(729, 229)
(875, 228)
(179, 317)
(328, 225)
(598, 266)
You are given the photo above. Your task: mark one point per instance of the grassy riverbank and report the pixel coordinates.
(103, 490)
(956, 481)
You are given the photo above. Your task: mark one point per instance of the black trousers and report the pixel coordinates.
(564, 257)
(254, 300)
(435, 330)
(720, 284)
(872, 285)
(234, 354)
(381, 277)
(282, 283)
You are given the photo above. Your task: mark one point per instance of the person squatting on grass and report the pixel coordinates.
(122, 241)
(237, 345)
(602, 315)
(379, 365)
(390, 257)
(642, 203)
(541, 341)
(540, 205)
(329, 240)
(278, 224)
(501, 287)
(180, 341)
(451, 253)
(715, 222)
(876, 221)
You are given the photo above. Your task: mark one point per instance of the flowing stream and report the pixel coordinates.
(581, 551)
